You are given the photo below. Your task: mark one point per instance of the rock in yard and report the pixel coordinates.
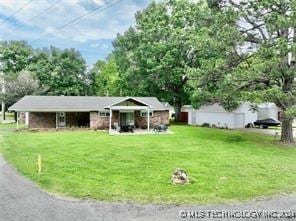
(179, 176)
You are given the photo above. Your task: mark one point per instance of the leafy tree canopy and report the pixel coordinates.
(260, 67)
(156, 54)
(62, 72)
(17, 86)
(105, 78)
(14, 56)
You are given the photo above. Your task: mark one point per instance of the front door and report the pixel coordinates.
(61, 119)
(126, 118)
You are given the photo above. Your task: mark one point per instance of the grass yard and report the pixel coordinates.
(223, 165)
(8, 116)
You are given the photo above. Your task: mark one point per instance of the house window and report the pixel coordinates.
(144, 113)
(104, 113)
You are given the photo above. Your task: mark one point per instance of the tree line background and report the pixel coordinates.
(181, 51)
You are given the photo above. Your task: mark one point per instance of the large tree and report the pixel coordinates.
(24, 83)
(62, 72)
(155, 55)
(105, 78)
(261, 65)
(15, 56)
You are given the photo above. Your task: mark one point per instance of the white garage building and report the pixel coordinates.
(268, 110)
(216, 115)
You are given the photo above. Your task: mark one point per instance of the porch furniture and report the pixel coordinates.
(128, 128)
(160, 128)
(116, 126)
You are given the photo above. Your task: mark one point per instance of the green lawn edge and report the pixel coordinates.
(223, 165)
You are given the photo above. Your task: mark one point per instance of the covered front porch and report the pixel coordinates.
(52, 120)
(130, 119)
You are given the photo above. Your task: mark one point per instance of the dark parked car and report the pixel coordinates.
(266, 123)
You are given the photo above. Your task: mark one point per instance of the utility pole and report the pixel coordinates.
(3, 92)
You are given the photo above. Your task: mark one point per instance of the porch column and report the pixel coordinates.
(110, 121)
(56, 120)
(148, 120)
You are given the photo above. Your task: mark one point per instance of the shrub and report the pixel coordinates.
(205, 125)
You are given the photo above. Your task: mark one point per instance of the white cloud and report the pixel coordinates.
(95, 45)
(101, 26)
(105, 46)
(99, 45)
(91, 4)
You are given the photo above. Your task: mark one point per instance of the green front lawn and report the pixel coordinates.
(9, 116)
(223, 165)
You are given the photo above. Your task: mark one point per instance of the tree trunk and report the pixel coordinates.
(178, 107)
(287, 130)
(3, 111)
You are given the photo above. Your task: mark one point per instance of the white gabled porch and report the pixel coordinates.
(126, 119)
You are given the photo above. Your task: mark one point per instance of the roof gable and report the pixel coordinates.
(129, 101)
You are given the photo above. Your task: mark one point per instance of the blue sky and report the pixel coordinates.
(38, 23)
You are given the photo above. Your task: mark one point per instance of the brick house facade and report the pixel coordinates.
(92, 112)
(48, 120)
(159, 117)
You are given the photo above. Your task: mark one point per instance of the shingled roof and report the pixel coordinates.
(77, 103)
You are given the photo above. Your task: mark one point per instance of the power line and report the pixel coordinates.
(79, 19)
(42, 12)
(17, 11)
(36, 16)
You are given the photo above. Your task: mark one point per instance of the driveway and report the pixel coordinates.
(21, 199)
